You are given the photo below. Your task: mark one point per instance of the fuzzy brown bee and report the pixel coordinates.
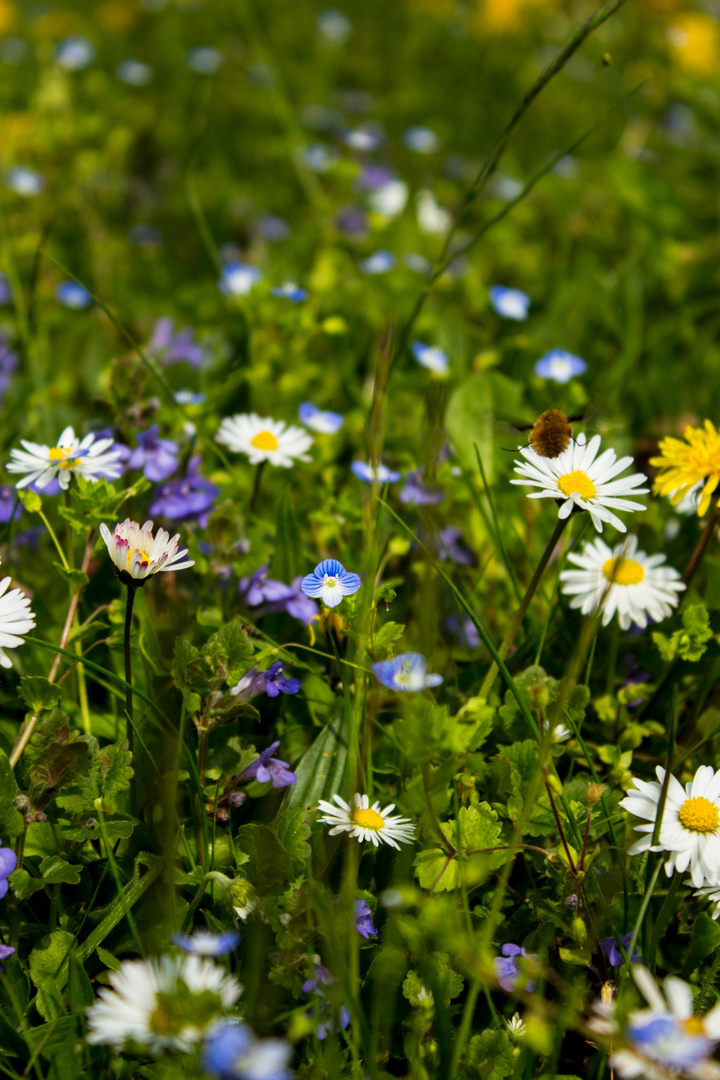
(551, 433)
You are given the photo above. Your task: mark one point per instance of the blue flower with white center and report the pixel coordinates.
(237, 279)
(74, 53)
(204, 59)
(323, 421)
(378, 474)
(290, 291)
(232, 1052)
(330, 582)
(421, 139)
(72, 295)
(378, 263)
(189, 397)
(560, 365)
(430, 357)
(134, 72)
(407, 672)
(25, 181)
(510, 303)
(203, 943)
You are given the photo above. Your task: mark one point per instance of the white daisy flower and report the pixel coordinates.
(264, 439)
(623, 580)
(365, 822)
(138, 555)
(16, 618)
(690, 829)
(163, 1004)
(579, 479)
(711, 893)
(89, 457)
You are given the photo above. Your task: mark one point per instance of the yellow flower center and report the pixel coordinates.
(331, 582)
(623, 571)
(694, 1025)
(60, 454)
(144, 558)
(368, 819)
(699, 814)
(264, 440)
(576, 483)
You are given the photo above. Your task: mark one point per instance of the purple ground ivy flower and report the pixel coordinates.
(271, 682)
(363, 919)
(507, 968)
(464, 630)
(289, 598)
(259, 588)
(156, 457)
(326, 1025)
(268, 767)
(186, 498)
(5, 952)
(612, 953)
(417, 493)
(452, 546)
(8, 500)
(8, 366)
(8, 862)
(175, 346)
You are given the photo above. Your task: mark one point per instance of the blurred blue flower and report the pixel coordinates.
(352, 220)
(363, 919)
(380, 474)
(430, 357)
(612, 953)
(323, 1010)
(290, 291)
(334, 25)
(330, 581)
(268, 767)
(8, 862)
(188, 497)
(406, 672)
(237, 279)
(320, 158)
(74, 53)
(325, 422)
(173, 346)
(416, 493)
(134, 72)
(507, 968)
(663, 1038)
(379, 263)
(560, 365)
(72, 295)
(232, 1052)
(259, 588)
(421, 139)
(156, 457)
(204, 59)
(189, 397)
(203, 943)
(271, 682)
(464, 630)
(365, 138)
(8, 500)
(453, 547)
(417, 263)
(5, 290)
(510, 303)
(25, 182)
(272, 228)
(374, 176)
(9, 364)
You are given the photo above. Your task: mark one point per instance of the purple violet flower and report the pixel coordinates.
(189, 497)
(8, 862)
(269, 768)
(8, 500)
(416, 493)
(464, 630)
(363, 919)
(612, 953)
(289, 598)
(8, 366)
(259, 588)
(453, 547)
(156, 457)
(507, 968)
(271, 682)
(5, 952)
(175, 346)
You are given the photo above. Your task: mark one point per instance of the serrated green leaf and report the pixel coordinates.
(75, 578)
(38, 693)
(23, 885)
(293, 831)
(56, 871)
(11, 822)
(384, 639)
(269, 865)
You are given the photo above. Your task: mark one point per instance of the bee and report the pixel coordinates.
(551, 433)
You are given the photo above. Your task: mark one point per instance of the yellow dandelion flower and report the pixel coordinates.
(682, 465)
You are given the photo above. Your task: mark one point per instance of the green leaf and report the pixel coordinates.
(30, 500)
(116, 770)
(191, 674)
(237, 649)
(48, 965)
(439, 977)
(57, 757)
(579, 957)
(705, 940)
(14, 990)
(293, 832)
(116, 910)
(11, 821)
(80, 993)
(321, 771)
(490, 1056)
(434, 870)
(56, 871)
(285, 562)
(75, 578)
(689, 643)
(108, 959)
(38, 694)
(23, 885)
(384, 639)
(269, 865)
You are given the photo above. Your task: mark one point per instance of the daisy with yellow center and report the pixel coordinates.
(89, 457)
(263, 439)
(365, 822)
(623, 580)
(137, 554)
(682, 465)
(580, 480)
(690, 827)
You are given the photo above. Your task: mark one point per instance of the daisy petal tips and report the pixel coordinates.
(407, 672)
(365, 822)
(138, 555)
(89, 457)
(16, 619)
(330, 582)
(580, 480)
(264, 439)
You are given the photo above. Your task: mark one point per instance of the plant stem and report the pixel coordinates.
(701, 546)
(131, 590)
(202, 754)
(256, 486)
(524, 605)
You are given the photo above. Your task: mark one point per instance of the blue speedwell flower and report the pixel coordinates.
(507, 968)
(72, 295)
(430, 357)
(267, 767)
(237, 279)
(379, 263)
(290, 291)
(203, 943)
(363, 919)
(510, 303)
(379, 474)
(10, 505)
(560, 365)
(406, 672)
(8, 862)
(330, 582)
(323, 421)
(232, 1052)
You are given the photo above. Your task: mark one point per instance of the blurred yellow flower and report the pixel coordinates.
(696, 42)
(682, 465)
(8, 14)
(499, 16)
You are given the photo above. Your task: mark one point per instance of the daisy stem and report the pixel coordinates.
(131, 590)
(54, 539)
(701, 546)
(256, 486)
(519, 615)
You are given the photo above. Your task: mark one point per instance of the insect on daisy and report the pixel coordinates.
(89, 457)
(264, 439)
(365, 822)
(580, 480)
(16, 618)
(138, 555)
(690, 827)
(162, 1004)
(623, 580)
(682, 465)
